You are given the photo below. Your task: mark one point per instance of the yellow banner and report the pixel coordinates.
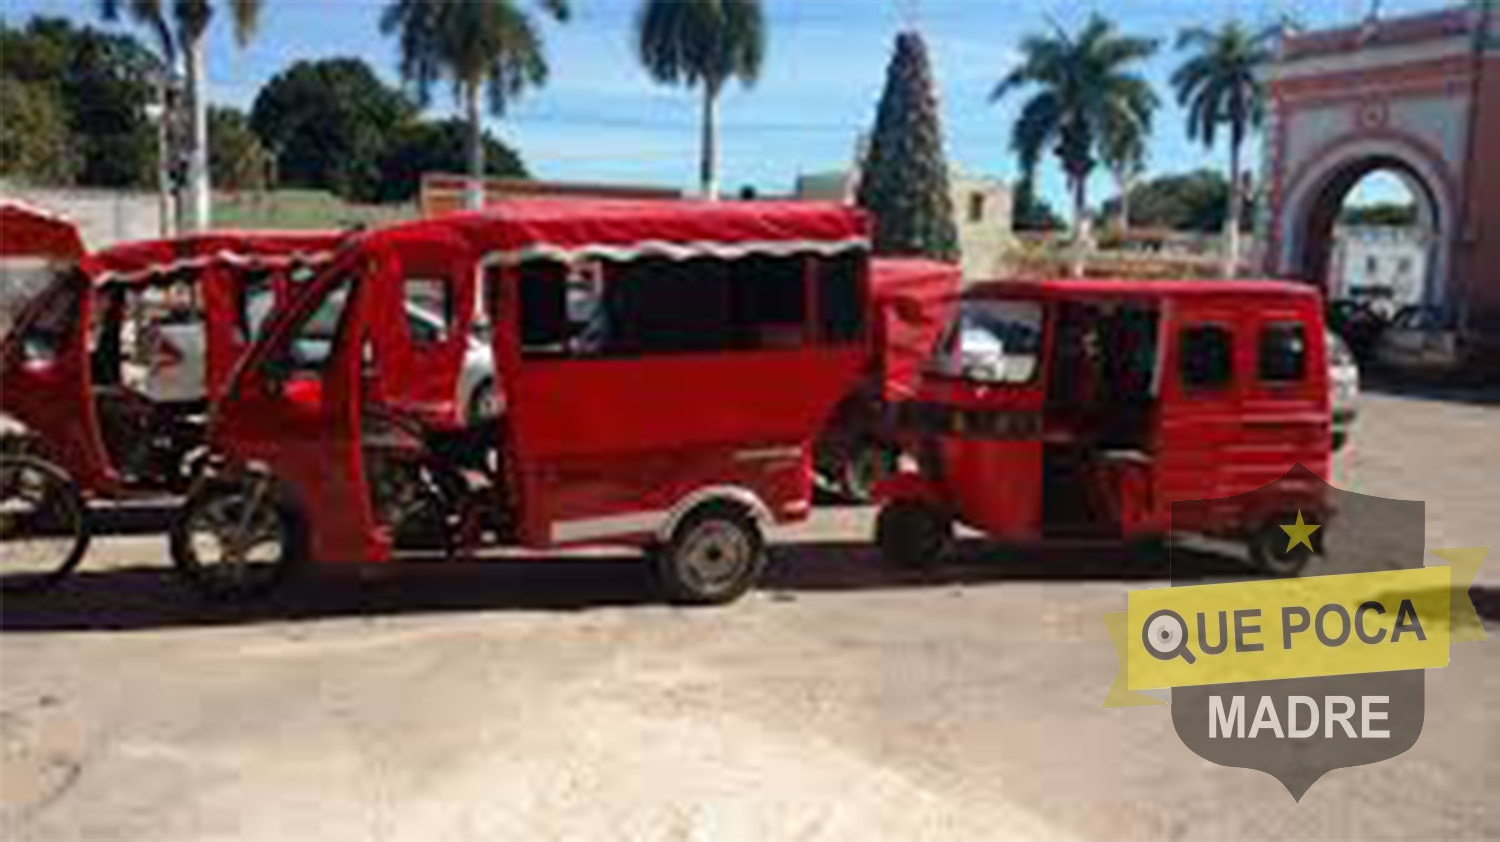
(1288, 628)
(1294, 628)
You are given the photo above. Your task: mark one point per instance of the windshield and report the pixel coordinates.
(993, 341)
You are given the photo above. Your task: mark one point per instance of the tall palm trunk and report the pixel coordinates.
(166, 205)
(474, 194)
(708, 170)
(1123, 178)
(199, 204)
(1079, 249)
(1232, 218)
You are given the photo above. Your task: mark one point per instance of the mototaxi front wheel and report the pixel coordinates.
(233, 539)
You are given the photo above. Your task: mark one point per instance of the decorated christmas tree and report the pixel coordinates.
(904, 180)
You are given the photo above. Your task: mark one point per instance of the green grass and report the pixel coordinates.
(301, 210)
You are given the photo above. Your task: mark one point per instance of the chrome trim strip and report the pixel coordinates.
(768, 453)
(607, 526)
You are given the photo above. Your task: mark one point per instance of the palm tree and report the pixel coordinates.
(1084, 87)
(703, 42)
(484, 47)
(1123, 151)
(182, 30)
(1218, 86)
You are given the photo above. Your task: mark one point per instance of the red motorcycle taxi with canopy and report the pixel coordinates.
(44, 528)
(1084, 408)
(110, 363)
(665, 367)
(112, 360)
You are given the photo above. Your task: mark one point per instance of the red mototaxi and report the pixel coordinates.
(1085, 408)
(666, 366)
(61, 364)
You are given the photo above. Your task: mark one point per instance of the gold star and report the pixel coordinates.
(1299, 532)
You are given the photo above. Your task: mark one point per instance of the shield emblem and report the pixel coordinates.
(1298, 525)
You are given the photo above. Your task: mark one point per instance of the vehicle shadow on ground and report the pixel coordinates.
(128, 598)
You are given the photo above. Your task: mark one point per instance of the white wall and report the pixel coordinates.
(1381, 257)
(103, 217)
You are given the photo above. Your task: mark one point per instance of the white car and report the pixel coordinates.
(1343, 388)
(175, 357)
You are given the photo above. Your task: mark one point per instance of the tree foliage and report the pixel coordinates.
(35, 146)
(704, 44)
(236, 157)
(330, 123)
(904, 181)
(1195, 201)
(480, 46)
(1218, 84)
(489, 45)
(436, 146)
(1219, 87)
(1085, 89)
(1030, 212)
(181, 27)
(1394, 214)
(175, 23)
(82, 92)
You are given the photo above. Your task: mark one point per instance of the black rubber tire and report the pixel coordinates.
(719, 524)
(914, 535)
(1268, 553)
(65, 493)
(207, 583)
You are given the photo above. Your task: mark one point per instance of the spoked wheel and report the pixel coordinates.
(44, 526)
(232, 540)
(716, 554)
(912, 534)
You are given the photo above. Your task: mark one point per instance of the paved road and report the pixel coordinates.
(559, 701)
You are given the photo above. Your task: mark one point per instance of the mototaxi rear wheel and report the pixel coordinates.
(913, 534)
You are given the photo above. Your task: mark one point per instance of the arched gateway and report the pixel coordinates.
(1415, 96)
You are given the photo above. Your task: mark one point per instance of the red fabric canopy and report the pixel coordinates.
(625, 229)
(140, 260)
(912, 302)
(29, 231)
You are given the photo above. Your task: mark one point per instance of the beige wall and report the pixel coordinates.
(982, 213)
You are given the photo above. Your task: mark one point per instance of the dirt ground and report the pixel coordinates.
(560, 700)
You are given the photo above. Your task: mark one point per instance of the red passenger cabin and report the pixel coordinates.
(1085, 408)
(664, 365)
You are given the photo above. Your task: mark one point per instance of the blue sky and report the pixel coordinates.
(601, 119)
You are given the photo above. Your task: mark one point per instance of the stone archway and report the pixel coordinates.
(1316, 197)
(1417, 96)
